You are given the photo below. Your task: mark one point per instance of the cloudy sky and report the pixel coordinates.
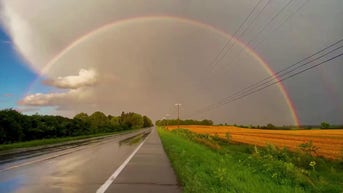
(65, 57)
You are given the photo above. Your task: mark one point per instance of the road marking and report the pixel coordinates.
(110, 180)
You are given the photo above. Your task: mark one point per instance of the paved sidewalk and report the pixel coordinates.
(149, 171)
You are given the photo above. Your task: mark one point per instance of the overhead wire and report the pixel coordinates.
(285, 78)
(276, 15)
(283, 21)
(256, 35)
(281, 72)
(218, 59)
(267, 82)
(228, 51)
(264, 87)
(270, 21)
(214, 62)
(237, 35)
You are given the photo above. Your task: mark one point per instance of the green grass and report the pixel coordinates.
(41, 142)
(203, 167)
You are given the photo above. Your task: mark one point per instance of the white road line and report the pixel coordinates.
(110, 180)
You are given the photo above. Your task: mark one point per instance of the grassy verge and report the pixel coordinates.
(41, 142)
(206, 164)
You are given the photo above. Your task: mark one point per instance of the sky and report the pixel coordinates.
(15, 76)
(65, 57)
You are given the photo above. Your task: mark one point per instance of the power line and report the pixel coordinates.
(270, 21)
(295, 65)
(266, 25)
(243, 32)
(266, 86)
(216, 60)
(255, 19)
(220, 54)
(277, 14)
(290, 16)
(284, 21)
(260, 85)
(285, 78)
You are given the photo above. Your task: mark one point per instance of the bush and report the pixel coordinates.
(308, 148)
(324, 125)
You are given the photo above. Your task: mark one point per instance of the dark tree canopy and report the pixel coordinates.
(165, 122)
(325, 125)
(131, 120)
(16, 127)
(147, 122)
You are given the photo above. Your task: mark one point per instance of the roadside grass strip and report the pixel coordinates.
(214, 167)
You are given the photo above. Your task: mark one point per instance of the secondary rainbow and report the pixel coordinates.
(132, 20)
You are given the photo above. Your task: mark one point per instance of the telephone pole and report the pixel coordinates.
(178, 114)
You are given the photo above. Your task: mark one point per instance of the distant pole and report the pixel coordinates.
(178, 115)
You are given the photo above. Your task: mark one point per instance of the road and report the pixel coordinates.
(81, 168)
(149, 171)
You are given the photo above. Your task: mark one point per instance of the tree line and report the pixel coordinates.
(270, 126)
(17, 127)
(165, 122)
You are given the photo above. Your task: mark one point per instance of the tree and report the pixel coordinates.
(131, 120)
(80, 127)
(206, 122)
(115, 123)
(15, 127)
(82, 116)
(10, 126)
(270, 126)
(99, 122)
(147, 122)
(324, 125)
(183, 122)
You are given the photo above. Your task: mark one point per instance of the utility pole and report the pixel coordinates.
(178, 114)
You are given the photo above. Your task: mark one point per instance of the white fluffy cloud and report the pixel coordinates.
(40, 99)
(84, 78)
(76, 90)
(53, 99)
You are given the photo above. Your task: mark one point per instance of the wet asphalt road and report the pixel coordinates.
(82, 168)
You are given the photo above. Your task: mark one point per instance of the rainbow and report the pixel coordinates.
(133, 20)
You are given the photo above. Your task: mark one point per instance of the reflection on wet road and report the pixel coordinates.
(83, 168)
